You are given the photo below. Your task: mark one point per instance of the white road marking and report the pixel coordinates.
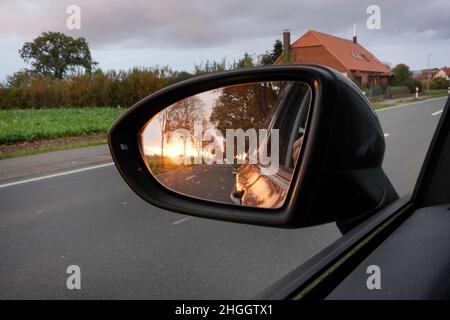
(55, 175)
(437, 112)
(386, 135)
(189, 178)
(180, 221)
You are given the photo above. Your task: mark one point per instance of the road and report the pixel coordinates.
(195, 181)
(408, 131)
(128, 249)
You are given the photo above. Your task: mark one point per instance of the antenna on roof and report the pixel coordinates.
(355, 38)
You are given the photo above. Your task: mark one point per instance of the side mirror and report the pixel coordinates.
(285, 146)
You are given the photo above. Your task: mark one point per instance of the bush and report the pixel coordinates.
(16, 98)
(399, 90)
(3, 94)
(412, 84)
(439, 83)
(123, 88)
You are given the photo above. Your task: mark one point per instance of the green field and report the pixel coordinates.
(35, 124)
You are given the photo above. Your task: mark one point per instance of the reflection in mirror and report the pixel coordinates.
(236, 144)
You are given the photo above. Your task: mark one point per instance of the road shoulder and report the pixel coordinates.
(52, 162)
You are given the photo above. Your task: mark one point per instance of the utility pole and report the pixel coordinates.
(429, 72)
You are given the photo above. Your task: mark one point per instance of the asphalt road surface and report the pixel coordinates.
(126, 248)
(209, 182)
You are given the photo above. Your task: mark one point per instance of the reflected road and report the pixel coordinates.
(211, 182)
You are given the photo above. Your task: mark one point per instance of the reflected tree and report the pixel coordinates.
(245, 106)
(162, 119)
(182, 116)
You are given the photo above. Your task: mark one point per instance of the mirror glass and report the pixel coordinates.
(236, 145)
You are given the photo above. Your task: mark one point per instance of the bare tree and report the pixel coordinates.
(183, 115)
(199, 144)
(162, 119)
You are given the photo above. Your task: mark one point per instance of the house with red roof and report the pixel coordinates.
(346, 56)
(424, 74)
(443, 73)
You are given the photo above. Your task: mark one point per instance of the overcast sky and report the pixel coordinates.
(181, 33)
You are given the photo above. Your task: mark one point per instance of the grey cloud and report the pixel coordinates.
(200, 24)
(180, 33)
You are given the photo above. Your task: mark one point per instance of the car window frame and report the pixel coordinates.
(286, 166)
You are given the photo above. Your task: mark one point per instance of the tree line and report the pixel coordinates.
(63, 74)
(96, 89)
(403, 76)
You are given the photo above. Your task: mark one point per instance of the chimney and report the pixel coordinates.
(286, 41)
(355, 38)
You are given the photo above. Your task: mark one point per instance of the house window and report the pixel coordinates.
(360, 56)
(356, 56)
(365, 57)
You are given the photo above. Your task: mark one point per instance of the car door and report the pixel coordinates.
(338, 176)
(405, 246)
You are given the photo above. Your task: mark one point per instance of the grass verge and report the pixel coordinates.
(437, 93)
(428, 95)
(27, 152)
(380, 105)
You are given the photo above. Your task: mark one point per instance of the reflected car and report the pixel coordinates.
(255, 185)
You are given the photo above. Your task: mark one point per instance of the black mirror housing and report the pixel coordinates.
(339, 177)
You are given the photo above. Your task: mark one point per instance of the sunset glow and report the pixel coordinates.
(172, 149)
(175, 149)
